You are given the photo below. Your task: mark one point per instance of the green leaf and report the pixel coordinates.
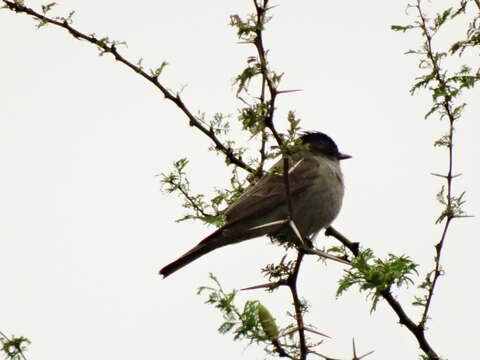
(48, 7)
(401, 28)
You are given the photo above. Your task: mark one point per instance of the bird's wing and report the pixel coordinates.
(269, 192)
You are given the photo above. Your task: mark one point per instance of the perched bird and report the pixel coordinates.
(316, 193)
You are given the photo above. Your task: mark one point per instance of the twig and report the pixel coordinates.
(111, 48)
(446, 104)
(292, 285)
(192, 202)
(418, 331)
(20, 351)
(280, 350)
(263, 156)
(354, 247)
(267, 82)
(404, 319)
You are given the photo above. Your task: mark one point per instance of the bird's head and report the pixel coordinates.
(322, 144)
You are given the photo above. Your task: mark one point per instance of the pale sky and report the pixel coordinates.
(85, 227)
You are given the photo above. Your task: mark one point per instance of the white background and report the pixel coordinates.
(85, 227)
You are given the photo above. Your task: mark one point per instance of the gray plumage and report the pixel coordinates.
(316, 190)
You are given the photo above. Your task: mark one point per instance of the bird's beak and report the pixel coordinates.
(341, 156)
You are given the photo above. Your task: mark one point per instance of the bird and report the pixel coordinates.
(316, 194)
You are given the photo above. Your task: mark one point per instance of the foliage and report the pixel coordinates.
(243, 322)
(446, 84)
(206, 211)
(14, 347)
(374, 275)
(253, 322)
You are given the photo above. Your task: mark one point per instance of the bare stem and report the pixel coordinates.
(354, 247)
(292, 285)
(417, 330)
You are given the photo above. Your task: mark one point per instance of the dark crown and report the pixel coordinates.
(320, 142)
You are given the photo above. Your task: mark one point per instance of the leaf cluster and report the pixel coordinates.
(254, 322)
(425, 285)
(256, 118)
(373, 275)
(207, 211)
(443, 85)
(14, 347)
(290, 140)
(276, 272)
(472, 39)
(248, 27)
(243, 322)
(452, 206)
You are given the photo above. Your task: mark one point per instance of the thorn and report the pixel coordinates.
(355, 352)
(296, 231)
(366, 354)
(288, 91)
(328, 256)
(279, 222)
(439, 175)
(316, 332)
(294, 166)
(269, 286)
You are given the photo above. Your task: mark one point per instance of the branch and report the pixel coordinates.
(447, 106)
(263, 156)
(192, 202)
(354, 247)
(152, 78)
(418, 330)
(291, 282)
(292, 285)
(266, 80)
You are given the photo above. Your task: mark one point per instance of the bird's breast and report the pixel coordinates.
(319, 204)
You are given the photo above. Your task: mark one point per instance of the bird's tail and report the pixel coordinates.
(208, 244)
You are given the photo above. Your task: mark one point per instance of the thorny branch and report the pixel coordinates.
(152, 78)
(191, 201)
(261, 10)
(110, 47)
(447, 106)
(292, 285)
(416, 329)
